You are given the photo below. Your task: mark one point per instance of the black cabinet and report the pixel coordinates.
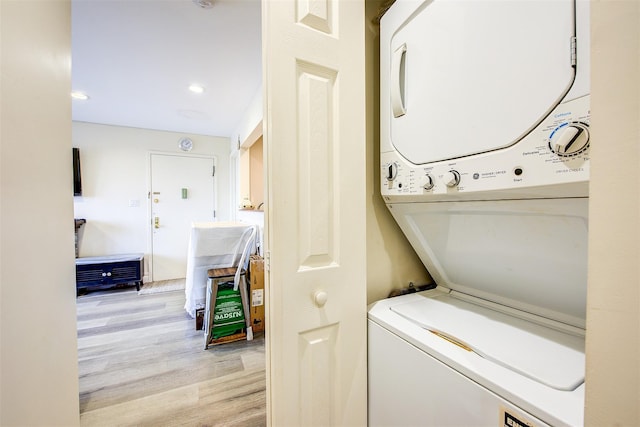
(109, 270)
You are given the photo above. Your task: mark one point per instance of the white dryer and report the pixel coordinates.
(485, 167)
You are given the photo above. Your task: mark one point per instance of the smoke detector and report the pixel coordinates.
(204, 4)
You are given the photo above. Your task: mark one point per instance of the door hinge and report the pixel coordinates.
(213, 173)
(214, 213)
(574, 51)
(267, 261)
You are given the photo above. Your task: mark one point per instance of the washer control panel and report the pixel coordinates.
(555, 152)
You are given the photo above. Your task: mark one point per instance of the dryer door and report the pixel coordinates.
(468, 77)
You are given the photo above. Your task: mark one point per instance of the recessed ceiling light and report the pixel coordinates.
(79, 95)
(196, 88)
(205, 4)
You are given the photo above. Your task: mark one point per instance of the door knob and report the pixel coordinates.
(320, 298)
(156, 222)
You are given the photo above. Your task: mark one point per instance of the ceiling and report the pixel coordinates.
(135, 59)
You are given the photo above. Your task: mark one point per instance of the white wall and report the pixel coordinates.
(250, 123)
(38, 348)
(115, 172)
(613, 307)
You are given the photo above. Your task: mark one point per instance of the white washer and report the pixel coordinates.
(485, 167)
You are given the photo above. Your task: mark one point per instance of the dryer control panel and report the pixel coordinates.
(541, 164)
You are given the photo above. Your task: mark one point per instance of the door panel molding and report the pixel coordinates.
(318, 372)
(316, 15)
(318, 196)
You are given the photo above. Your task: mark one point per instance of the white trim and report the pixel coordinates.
(251, 139)
(234, 183)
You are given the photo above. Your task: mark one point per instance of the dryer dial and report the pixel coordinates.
(570, 139)
(428, 182)
(391, 171)
(451, 178)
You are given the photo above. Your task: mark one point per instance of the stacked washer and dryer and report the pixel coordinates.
(485, 167)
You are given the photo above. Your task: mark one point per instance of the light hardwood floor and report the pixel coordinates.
(143, 363)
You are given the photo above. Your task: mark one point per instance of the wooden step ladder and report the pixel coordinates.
(218, 276)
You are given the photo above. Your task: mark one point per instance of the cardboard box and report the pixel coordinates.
(257, 292)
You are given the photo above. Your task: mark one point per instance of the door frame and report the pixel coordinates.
(150, 154)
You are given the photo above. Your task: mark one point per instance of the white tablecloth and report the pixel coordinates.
(211, 245)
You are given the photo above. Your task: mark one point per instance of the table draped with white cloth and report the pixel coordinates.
(211, 245)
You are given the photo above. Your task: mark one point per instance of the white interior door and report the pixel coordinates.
(182, 191)
(315, 221)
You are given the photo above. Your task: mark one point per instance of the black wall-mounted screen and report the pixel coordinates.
(77, 176)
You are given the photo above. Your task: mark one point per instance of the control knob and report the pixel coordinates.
(429, 183)
(391, 171)
(451, 178)
(569, 139)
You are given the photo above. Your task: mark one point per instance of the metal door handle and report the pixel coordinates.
(156, 222)
(398, 81)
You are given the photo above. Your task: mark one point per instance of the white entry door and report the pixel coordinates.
(182, 191)
(315, 222)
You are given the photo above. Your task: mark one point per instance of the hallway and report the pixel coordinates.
(141, 362)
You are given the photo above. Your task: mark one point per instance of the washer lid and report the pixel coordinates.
(474, 76)
(545, 355)
(530, 255)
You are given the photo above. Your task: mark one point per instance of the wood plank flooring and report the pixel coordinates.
(142, 363)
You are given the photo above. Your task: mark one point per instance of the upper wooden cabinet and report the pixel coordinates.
(251, 176)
